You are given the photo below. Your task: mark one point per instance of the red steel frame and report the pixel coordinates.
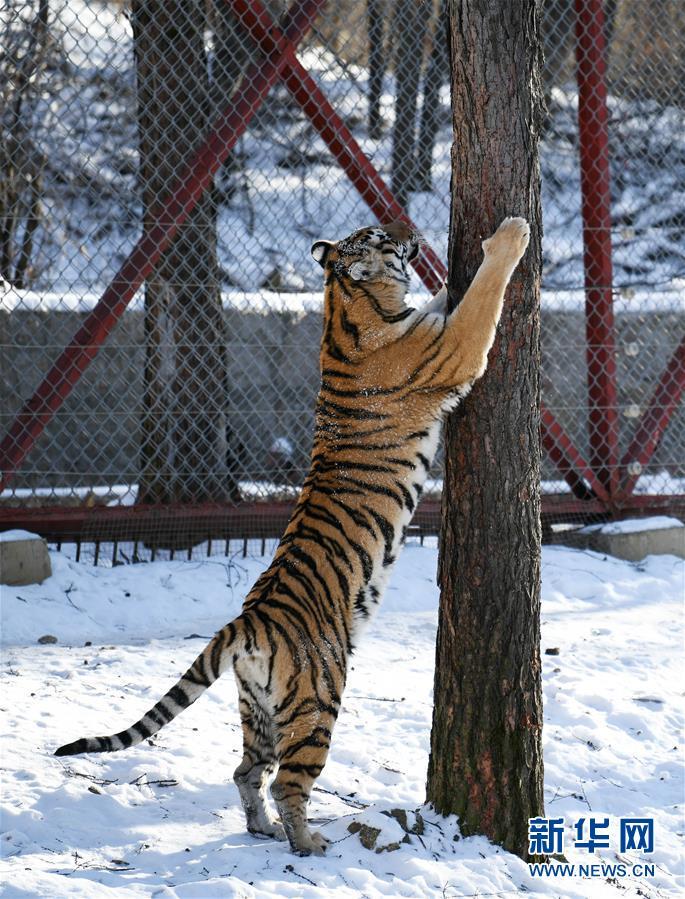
(595, 186)
(657, 415)
(603, 417)
(186, 526)
(595, 481)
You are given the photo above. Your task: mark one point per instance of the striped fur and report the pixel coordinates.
(388, 375)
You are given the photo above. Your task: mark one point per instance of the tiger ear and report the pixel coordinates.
(320, 251)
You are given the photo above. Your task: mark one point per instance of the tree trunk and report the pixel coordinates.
(410, 28)
(183, 453)
(25, 58)
(436, 72)
(375, 17)
(233, 50)
(557, 24)
(486, 758)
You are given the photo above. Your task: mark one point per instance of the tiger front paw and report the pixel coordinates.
(509, 241)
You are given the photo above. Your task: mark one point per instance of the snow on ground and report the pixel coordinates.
(659, 481)
(263, 302)
(636, 525)
(165, 821)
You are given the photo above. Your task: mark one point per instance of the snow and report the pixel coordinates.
(18, 534)
(165, 821)
(636, 525)
(660, 481)
(263, 302)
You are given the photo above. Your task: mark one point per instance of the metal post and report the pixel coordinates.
(595, 182)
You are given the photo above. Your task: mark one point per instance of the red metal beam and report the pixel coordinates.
(565, 507)
(182, 198)
(156, 524)
(595, 183)
(570, 463)
(656, 417)
(341, 142)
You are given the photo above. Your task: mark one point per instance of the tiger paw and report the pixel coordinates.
(273, 831)
(313, 843)
(509, 241)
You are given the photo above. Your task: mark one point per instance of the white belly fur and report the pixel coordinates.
(379, 578)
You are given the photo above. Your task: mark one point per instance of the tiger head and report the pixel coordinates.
(373, 255)
(366, 280)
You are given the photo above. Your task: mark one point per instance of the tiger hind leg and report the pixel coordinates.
(301, 760)
(252, 775)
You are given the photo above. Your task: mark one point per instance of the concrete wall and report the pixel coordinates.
(273, 378)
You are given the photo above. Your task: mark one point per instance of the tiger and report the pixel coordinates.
(388, 375)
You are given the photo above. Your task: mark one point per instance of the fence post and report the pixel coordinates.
(595, 183)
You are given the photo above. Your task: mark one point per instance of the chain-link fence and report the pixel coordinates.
(180, 368)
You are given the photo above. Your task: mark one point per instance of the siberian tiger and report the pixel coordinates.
(388, 375)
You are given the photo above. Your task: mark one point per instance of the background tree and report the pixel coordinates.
(375, 18)
(431, 108)
(183, 453)
(26, 55)
(409, 27)
(486, 758)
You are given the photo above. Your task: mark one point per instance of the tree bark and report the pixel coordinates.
(183, 452)
(375, 17)
(436, 73)
(410, 28)
(26, 56)
(486, 757)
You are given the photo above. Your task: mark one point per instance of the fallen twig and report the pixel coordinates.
(96, 780)
(378, 698)
(291, 870)
(353, 802)
(163, 782)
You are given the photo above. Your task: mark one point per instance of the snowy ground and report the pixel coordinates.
(165, 821)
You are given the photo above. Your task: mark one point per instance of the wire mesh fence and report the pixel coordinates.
(233, 134)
